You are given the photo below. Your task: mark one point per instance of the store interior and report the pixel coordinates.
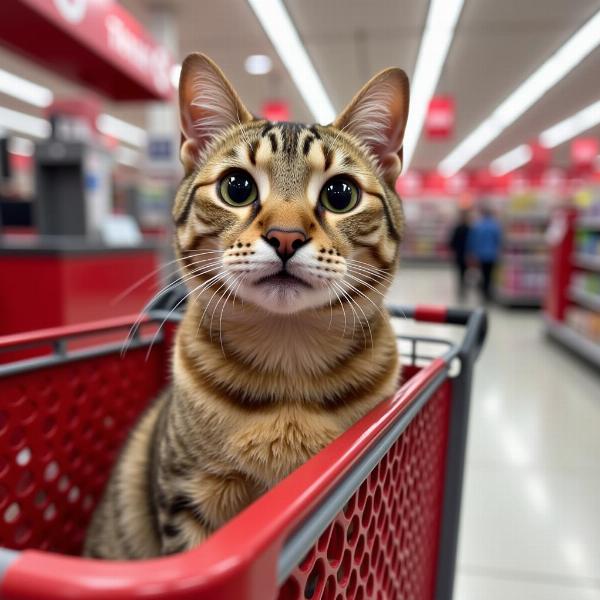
(504, 118)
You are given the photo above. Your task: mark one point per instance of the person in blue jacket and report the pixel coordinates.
(483, 246)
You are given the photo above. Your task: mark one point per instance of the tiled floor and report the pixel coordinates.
(530, 525)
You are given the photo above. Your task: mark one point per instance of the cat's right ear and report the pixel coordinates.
(208, 105)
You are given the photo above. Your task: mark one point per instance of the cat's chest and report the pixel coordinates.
(271, 445)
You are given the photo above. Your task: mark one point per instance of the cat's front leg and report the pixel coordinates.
(201, 504)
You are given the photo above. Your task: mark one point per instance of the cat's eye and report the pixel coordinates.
(339, 195)
(238, 189)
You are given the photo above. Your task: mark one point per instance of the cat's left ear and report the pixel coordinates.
(377, 117)
(208, 105)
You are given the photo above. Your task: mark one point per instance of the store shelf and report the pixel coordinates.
(527, 217)
(588, 223)
(524, 240)
(524, 259)
(591, 301)
(573, 340)
(586, 261)
(517, 299)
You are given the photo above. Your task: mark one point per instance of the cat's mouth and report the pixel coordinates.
(282, 278)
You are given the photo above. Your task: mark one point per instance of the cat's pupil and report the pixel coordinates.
(339, 194)
(239, 188)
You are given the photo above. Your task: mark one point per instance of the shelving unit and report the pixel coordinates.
(522, 274)
(429, 222)
(573, 316)
(574, 340)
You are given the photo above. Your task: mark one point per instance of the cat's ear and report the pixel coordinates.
(377, 117)
(208, 105)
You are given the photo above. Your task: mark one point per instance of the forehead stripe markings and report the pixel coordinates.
(185, 211)
(273, 140)
(392, 228)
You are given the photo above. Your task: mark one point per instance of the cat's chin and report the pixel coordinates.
(284, 297)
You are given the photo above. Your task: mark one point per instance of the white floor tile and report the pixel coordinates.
(481, 587)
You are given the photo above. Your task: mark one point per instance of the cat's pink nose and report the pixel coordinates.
(285, 242)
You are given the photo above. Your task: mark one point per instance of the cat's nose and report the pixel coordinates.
(285, 242)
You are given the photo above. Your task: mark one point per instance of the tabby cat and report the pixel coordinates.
(287, 237)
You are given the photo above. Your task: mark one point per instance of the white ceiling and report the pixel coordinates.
(497, 44)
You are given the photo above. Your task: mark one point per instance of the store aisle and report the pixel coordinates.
(530, 518)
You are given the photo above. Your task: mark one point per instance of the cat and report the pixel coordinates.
(288, 237)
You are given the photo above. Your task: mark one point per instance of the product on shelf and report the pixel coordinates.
(523, 273)
(584, 321)
(429, 222)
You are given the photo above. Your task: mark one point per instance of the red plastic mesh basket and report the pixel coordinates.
(384, 543)
(363, 519)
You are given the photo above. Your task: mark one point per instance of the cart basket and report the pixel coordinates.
(374, 515)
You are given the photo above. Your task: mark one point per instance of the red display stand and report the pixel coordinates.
(48, 284)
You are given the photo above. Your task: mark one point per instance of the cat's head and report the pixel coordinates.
(284, 215)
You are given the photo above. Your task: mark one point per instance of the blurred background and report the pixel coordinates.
(500, 186)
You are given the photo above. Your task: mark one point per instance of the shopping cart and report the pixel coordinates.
(374, 515)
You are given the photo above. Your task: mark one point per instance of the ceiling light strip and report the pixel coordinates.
(19, 122)
(25, 90)
(437, 37)
(283, 35)
(121, 130)
(569, 128)
(511, 160)
(562, 62)
(550, 138)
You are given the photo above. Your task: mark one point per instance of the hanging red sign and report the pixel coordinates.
(276, 110)
(540, 155)
(439, 120)
(96, 43)
(584, 151)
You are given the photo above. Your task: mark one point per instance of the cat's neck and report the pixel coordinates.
(309, 342)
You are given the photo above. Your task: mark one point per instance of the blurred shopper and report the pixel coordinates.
(458, 245)
(483, 245)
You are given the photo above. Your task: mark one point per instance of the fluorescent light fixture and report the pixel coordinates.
(283, 35)
(22, 89)
(21, 146)
(258, 64)
(562, 62)
(24, 123)
(127, 156)
(511, 160)
(437, 37)
(569, 128)
(121, 130)
(175, 73)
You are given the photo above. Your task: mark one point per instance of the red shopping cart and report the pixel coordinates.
(374, 515)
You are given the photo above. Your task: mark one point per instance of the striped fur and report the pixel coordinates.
(264, 376)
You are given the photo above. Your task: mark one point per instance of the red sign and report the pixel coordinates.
(584, 151)
(439, 120)
(276, 110)
(540, 155)
(98, 44)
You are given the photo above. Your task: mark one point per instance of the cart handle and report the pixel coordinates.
(475, 320)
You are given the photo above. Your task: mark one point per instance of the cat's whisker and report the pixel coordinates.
(341, 305)
(362, 311)
(357, 264)
(177, 305)
(355, 315)
(365, 283)
(233, 287)
(355, 289)
(143, 280)
(157, 296)
(374, 276)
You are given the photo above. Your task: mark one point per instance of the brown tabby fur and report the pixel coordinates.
(261, 384)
